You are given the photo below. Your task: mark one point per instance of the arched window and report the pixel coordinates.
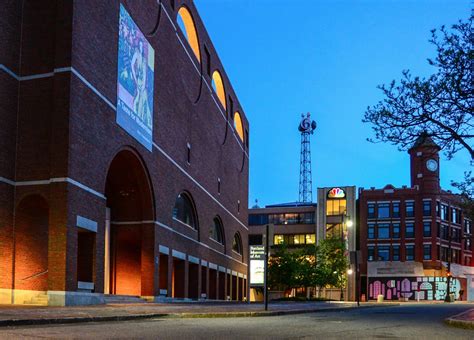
(186, 24)
(184, 211)
(238, 126)
(218, 86)
(217, 231)
(237, 244)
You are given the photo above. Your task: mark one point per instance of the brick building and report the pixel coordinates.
(408, 234)
(124, 155)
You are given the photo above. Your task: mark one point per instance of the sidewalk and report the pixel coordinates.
(14, 315)
(463, 320)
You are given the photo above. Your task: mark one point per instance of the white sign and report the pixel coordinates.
(257, 265)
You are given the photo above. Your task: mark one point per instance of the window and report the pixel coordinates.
(208, 60)
(444, 212)
(279, 239)
(188, 154)
(371, 231)
(237, 244)
(396, 210)
(310, 238)
(335, 207)
(467, 244)
(443, 253)
(218, 86)
(255, 240)
(396, 253)
(291, 218)
(217, 231)
(438, 209)
(186, 24)
(409, 252)
(383, 210)
(383, 253)
(299, 239)
(184, 211)
(409, 230)
(396, 230)
(426, 229)
(467, 227)
(454, 215)
(383, 231)
(371, 210)
(427, 252)
(456, 235)
(239, 126)
(294, 239)
(409, 209)
(443, 231)
(258, 219)
(426, 208)
(334, 230)
(370, 253)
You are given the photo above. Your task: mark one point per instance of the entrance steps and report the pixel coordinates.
(119, 299)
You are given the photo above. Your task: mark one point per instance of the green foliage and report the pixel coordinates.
(323, 265)
(332, 263)
(290, 268)
(466, 188)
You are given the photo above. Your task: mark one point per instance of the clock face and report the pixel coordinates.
(431, 165)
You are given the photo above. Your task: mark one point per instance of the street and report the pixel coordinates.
(406, 321)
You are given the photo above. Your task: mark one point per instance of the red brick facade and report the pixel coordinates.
(64, 157)
(411, 225)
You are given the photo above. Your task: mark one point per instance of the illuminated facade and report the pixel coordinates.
(336, 217)
(124, 158)
(408, 235)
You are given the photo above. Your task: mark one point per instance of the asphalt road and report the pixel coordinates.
(407, 321)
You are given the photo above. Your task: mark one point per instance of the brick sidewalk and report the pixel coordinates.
(11, 315)
(463, 320)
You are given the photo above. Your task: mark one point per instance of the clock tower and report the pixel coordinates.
(424, 164)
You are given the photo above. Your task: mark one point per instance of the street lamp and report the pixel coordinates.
(349, 271)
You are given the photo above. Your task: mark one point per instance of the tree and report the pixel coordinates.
(466, 188)
(293, 268)
(441, 104)
(331, 263)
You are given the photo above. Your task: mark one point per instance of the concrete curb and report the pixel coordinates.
(454, 322)
(30, 322)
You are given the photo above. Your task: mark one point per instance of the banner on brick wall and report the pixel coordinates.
(136, 60)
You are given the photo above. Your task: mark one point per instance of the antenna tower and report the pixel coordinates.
(306, 129)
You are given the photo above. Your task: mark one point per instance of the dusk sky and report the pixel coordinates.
(326, 57)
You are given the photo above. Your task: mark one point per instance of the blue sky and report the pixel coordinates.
(326, 57)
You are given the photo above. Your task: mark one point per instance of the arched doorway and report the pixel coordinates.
(31, 244)
(129, 248)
